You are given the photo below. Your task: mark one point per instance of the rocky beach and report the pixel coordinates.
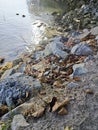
(55, 87)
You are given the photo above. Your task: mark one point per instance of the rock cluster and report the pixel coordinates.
(79, 17)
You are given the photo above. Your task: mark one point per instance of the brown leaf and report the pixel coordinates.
(57, 84)
(60, 105)
(3, 109)
(68, 128)
(89, 91)
(62, 111)
(77, 78)
(42, 93)
(39, 113)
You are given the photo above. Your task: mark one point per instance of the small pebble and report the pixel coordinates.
(2, 60)
(23, 15)
(17, 13)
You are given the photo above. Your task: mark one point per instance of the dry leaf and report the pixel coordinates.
(89, 91)
(62, 111)
(39, 113)
(60, 105)
(43, 93)
(27, 94)
(57, 84)
(3, 109)
(77, 78)
(68, 128)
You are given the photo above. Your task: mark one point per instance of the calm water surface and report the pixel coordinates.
(17, 33)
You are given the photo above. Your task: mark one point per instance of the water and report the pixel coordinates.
(18, 33)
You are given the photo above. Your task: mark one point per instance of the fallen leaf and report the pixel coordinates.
(42, 93)
(57, 84)
(68, 128)
(39, 113)
(89, 91)
(77, 78)
(62, 111)
(58, 105)
(3, 109)
(27, 94)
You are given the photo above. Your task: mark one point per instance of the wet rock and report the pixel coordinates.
(94, 31)
(82, 49)
(19, 123)
(23, 15)
(79, 70)
(1, 60)
(17, 13)
(16, 87)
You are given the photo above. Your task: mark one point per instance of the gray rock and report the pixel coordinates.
(19, 123)
(96, 38)
(56, 48)
(79, 70)
(84, 34)
(15, 88)
(85, 9)
(72, 85)
(81, 50)
(94, 31)
(21, 68)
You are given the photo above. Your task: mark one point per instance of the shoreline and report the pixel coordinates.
(54, 87)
